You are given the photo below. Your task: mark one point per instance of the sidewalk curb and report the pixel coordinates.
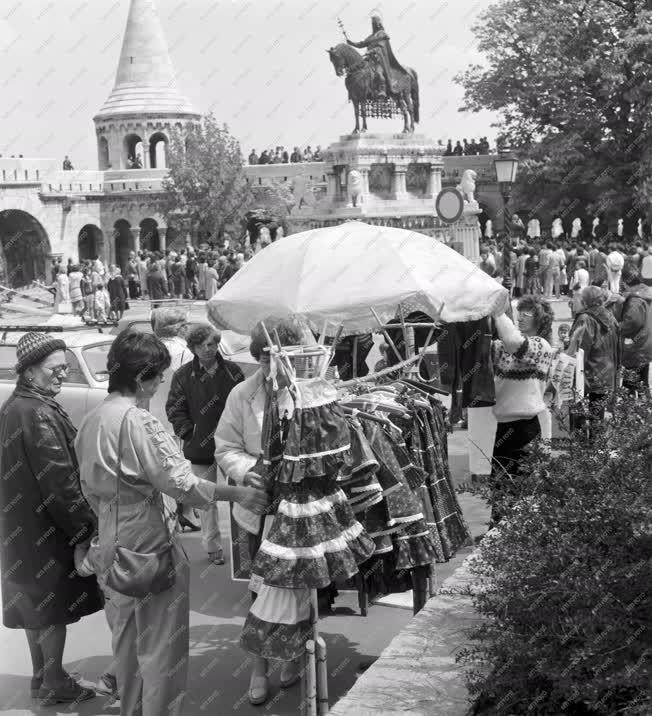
(417, 672)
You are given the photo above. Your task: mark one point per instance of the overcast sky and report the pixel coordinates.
(259, 65)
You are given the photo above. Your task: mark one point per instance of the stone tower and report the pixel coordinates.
(145, 106)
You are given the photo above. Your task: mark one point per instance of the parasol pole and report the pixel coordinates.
(387, 336)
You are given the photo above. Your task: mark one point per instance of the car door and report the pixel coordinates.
(74, 391)
(94, 358)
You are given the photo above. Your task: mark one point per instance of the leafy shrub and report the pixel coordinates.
(564, 582)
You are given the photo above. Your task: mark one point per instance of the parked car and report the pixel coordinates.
(233, 346)
(86, 382)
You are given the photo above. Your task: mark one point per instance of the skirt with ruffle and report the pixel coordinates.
(278, 624)
(318, 438)
(314, 539)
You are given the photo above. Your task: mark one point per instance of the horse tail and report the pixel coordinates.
(415, 94)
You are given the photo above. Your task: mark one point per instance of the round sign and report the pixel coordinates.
(449, 205)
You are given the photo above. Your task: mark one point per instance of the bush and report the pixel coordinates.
(564, 582)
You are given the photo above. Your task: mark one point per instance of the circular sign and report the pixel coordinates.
(449, 205)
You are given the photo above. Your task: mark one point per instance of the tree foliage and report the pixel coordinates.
(563, 584)
(572, 83)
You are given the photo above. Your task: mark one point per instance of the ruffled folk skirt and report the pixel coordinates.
(314, 538)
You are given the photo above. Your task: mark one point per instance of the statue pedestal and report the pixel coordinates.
(400, 176)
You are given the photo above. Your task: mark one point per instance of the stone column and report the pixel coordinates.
(364, 173)
(135, 233)
(399, 182)
(434, 181)
(467, 232)
(162, 231)
(332, 179)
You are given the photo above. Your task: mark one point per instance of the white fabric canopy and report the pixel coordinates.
(340, 272)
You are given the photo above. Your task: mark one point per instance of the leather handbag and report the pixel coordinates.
(138, 574)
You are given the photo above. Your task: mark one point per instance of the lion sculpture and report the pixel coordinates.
(467, 186)
(354, 188)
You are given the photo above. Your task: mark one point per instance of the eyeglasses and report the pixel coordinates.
(58, 370)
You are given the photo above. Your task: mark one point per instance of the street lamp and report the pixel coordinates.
(506, 166)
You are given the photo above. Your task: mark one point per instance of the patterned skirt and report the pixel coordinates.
(315, 538)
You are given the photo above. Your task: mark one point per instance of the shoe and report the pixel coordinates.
(108, 685)
(37, 682)
(258, 686)
(185, 522)
(67, 692)
(216, 557)
(290, 674)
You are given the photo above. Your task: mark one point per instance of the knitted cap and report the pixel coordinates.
(34, 347)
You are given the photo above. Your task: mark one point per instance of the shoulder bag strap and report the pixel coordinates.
(119, 473)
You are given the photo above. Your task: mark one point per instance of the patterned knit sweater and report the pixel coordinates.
(521, 371)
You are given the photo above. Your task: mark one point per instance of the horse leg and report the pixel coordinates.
(363, 109)
(410, 110)
(356, 109)
(404, 110)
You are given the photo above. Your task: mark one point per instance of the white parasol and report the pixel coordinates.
(340, 273)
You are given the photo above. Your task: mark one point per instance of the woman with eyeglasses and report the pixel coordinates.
(43, 516)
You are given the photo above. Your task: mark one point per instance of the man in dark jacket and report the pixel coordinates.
(197, 396)
(157, 285)
(636, 331)
(596, 331)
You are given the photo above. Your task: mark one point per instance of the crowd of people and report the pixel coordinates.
(101, 292)
(280, 155)
(555, 267)
(466, 148)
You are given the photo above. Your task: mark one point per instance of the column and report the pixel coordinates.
(162, 231)
(434, 181)
(332, 179)
(135, 240)
(399, 182)
(467, 232)
(364, 173)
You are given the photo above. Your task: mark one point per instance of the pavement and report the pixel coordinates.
(219, 669)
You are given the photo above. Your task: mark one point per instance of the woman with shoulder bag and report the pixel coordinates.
(132, 472)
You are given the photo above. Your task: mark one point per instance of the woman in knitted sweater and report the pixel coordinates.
(522, 359)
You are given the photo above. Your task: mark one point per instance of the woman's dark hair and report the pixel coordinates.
(543, 314)
(290, 333)
(135, 355)
(198, 334)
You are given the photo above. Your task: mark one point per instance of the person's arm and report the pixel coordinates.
(512, 339)
(177, 409)
(633, 318)
(57, 476)
(171, 474)
(231, 454)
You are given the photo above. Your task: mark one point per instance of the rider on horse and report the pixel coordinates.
(381, 57)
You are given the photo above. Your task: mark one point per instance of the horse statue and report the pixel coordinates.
(362, 85)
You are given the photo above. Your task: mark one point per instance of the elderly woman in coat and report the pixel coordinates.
(118, 441)
(44, 516)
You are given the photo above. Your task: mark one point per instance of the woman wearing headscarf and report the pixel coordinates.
(123, 446)
(44, 516)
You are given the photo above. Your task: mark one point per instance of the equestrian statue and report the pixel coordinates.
(377, 83)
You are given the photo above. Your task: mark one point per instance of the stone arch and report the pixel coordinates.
(123, 242)
(103, 150)
(150, 239)
(158, 151)
(133, 147)
(24, 249)
(90, 242)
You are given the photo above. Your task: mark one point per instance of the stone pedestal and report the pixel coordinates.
(466, 235)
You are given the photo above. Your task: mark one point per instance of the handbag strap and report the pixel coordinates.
(119, 480)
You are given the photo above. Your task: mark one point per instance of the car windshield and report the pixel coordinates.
(95, 357)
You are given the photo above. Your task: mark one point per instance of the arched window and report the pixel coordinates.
(123, 241)
(150, 239)
(90, 242)
(24, 249)
(158, 151)
(134, 154)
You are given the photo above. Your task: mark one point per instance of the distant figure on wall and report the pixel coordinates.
(67, 164)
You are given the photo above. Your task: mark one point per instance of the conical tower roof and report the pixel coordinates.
(145, 82)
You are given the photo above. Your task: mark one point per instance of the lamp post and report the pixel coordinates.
(506, 166)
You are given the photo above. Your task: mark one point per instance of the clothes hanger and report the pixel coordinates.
(423, 387)
(355, 413)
